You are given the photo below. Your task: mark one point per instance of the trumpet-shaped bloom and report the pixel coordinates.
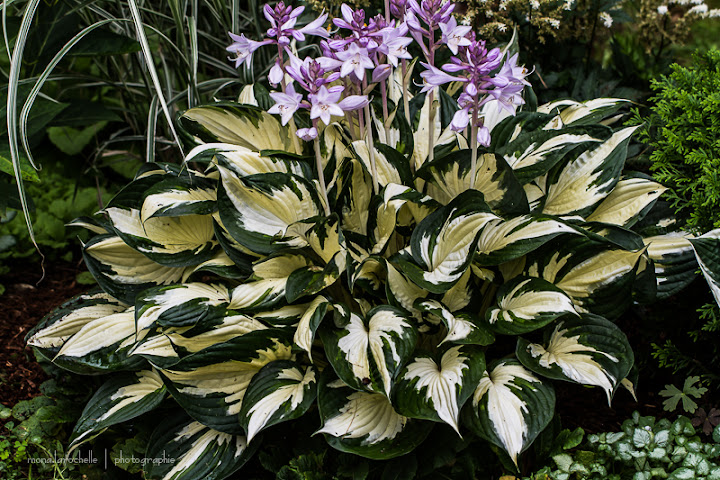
(286, 104)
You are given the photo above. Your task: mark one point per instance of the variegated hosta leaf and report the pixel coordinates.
(309, 323)
(124, 272)
(266, 288)
(236, 124)
(368, 354)
(580, 113)
(525, 304)
(707, 252)
(182, 449)
(243, 161)
(450, 176)
(505, 240)
(437, 388)
(532, 154)
(442, 243)
(588, 350)
(510, 128)
(262, 212)
(398, 201)
(403, 291)
(281, 391)
(123, 397)
(461, 328)
(510, 407)
(596, 277)
(391, 166)
(65, 321)
(210, 384)
(627, 203)
(579, 185)
(166, 347)
(182, 305)
(172, 241)
(180, 196)
(673, 260)
(365, 423)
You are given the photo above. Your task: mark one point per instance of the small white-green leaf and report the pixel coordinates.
(511, 406)
(707, 252)
(365, 423)
(121, 398)
(585, 181)
(626, 202)
(437, 389)
(588, 350)
(674, 262)
(281, 391)
(461, 328)
(525, 304)
(182, 449)
(368, 355)
(504, 240)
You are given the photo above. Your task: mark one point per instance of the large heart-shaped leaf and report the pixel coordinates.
(365, 423)
(210, 384)
(281, 391)
(525, 304)
(510, 407)
(121, 398)
(368, 354)
(588, 350)
(436, 388)
(182, 449)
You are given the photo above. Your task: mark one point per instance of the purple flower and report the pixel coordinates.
(460, 120)
(398, 8)
(244, 48)
(310, 74)
(326, 103)
(282, 22)
(307, 134)
(286, 104)
(381, 72)
(483, 136)
(354, 60)
(432, 12)
(394, 44)
(435, 77)
(454, 36)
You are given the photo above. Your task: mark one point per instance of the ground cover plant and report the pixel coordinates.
(376, 260)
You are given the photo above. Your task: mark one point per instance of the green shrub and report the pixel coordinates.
(683, 132)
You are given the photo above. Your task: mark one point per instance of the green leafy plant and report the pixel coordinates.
(645, 448)
(682, 131)
(406, 270)
(675, 395)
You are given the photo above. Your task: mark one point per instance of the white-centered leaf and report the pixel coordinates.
(536, 153)
(279, 392)
(273, 211)
(441, 382)
(270, 277)
(504, 240)
(577, 360)
(252, 129)
(369, 355)
(369, 416)
(188, 450)
(525, 304)
(516, 407)
(309, 322)
(101, 333)
(625, 202)
(123, 397)
(386, 172)
(54, 335)
(587, 180)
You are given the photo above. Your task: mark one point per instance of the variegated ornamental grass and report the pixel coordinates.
(230, 300)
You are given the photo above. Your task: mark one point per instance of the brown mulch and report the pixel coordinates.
(23, 304)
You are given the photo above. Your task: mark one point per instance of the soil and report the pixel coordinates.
(27, 299)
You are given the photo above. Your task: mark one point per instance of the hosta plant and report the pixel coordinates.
(381, 267)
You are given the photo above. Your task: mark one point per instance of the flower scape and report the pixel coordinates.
(380, 251)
